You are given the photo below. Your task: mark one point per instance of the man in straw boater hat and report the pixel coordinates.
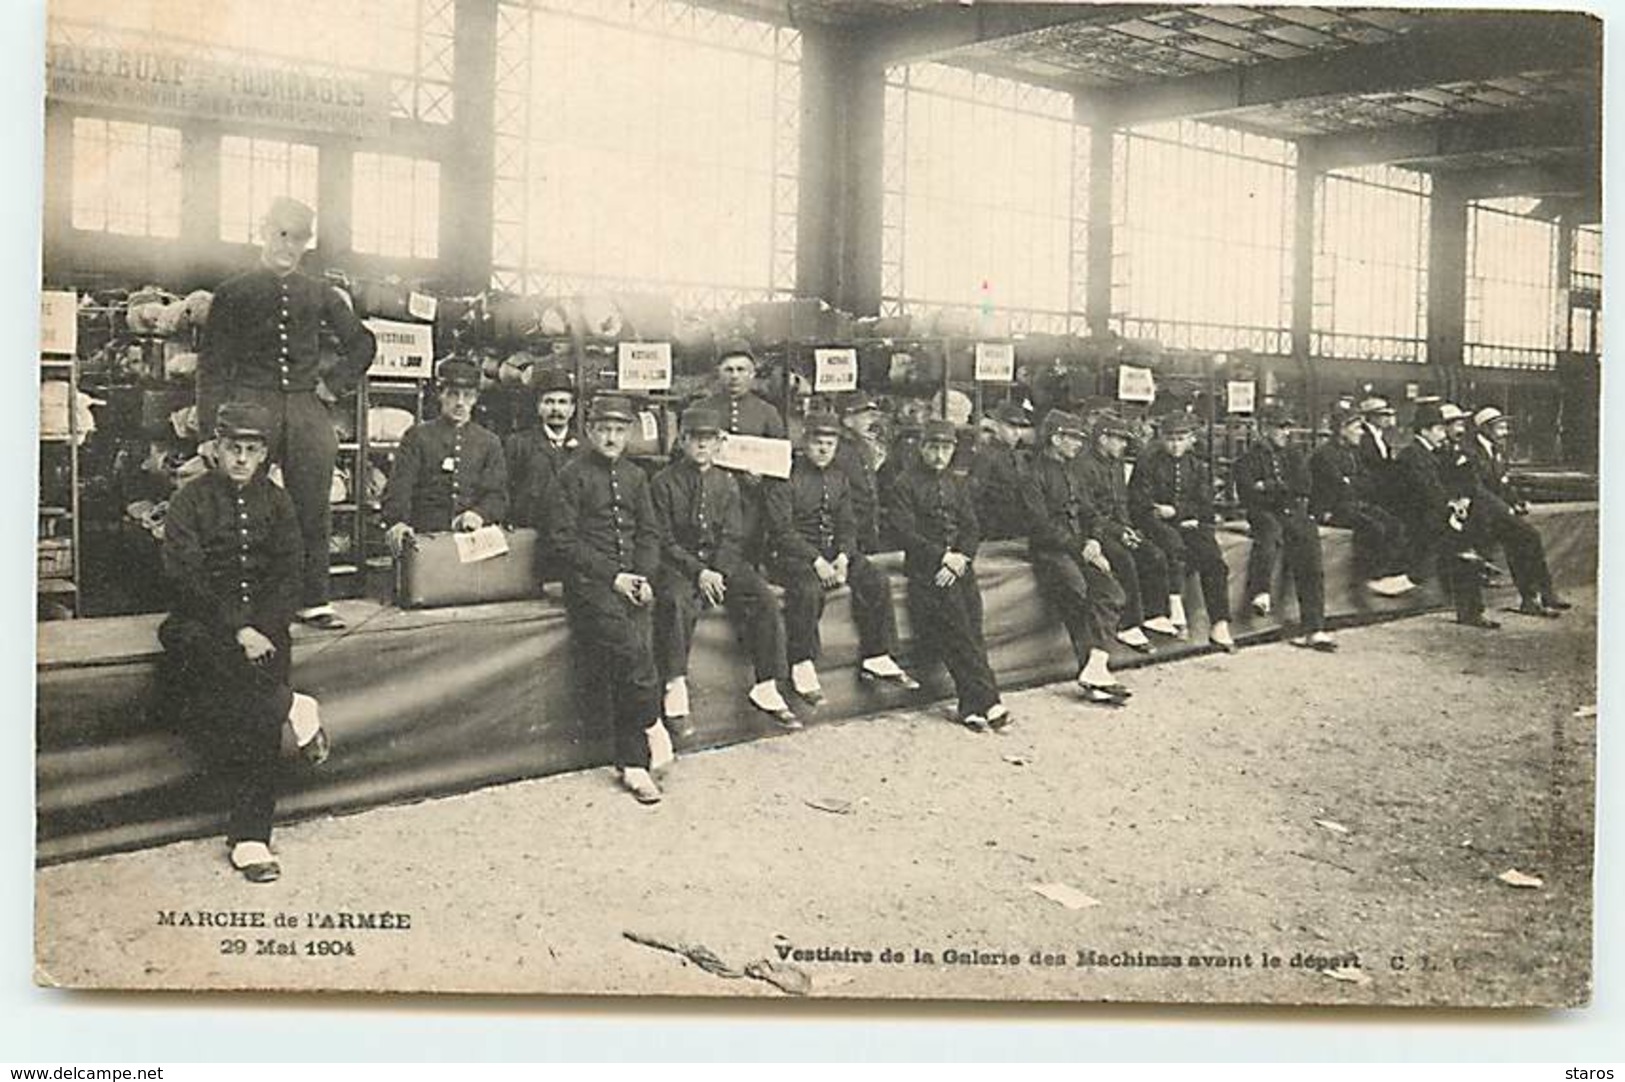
(1500, 510)
(1344, 495)
(1171, 499)
(1068, 559)
(1377, 450)
(1436, 507)
(261, 343)
(231, 554)
(929, 511)
(601, 528)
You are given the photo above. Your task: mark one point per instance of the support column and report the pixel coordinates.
(1303, 282)
(861, 202)
(1098, 272)
(469, 170)
(1447, 282)
(826, 58)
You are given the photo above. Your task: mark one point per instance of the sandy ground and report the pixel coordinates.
(1433, 757)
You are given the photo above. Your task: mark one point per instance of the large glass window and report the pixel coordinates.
(1513, 294)
(255, 171)
(985, 198)
(126, 178)
(1586, 272)
(651, 145)
(1202, 237)
(396, 209)
(1371, 247)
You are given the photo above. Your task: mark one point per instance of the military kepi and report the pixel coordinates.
(610, 407)
(242, 420)
(939, 431)
(458, 373)
(699, 421)
(821, 424)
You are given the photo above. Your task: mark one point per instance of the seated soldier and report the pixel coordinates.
(698, 518)
(1344, 494)
(601, 526)
(1377, 450)
(997, 474)
(929, 511)
(1171, 501)
(534, 455)
(449, 473)
(814, 542)
(859, 455)
(1500, 510)
(231, 553)
(902, 454)
(1139, 566)
(1435, 505)
(1068, 560)
(1273, 485)
(743, 412)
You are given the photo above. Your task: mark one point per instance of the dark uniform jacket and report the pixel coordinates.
(1426, 482)
(1182, 483)
(852, 459)
(1108, 491)
(812, 514)
(930, 512)
(601, 521)
(748, 415)
(442, 470)
(533, 459)
(697, 515)
(1059, 513)
(1341, 481)
(997, 475)
(263, 333)
(1271, 480)
(232, 555)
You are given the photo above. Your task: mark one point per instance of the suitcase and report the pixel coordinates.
(429, 575)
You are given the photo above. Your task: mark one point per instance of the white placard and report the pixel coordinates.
(995, 362)
(1240, 396)
(651, 425)
(405, 350)
(643, 366)
(755, 454)
(1412, 391)
(422, 306)
(481, 544)
(1135, 384)
(835, 370)
(59, 322)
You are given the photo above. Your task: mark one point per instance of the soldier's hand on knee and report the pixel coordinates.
(398, 537)
(945, 578)
(826, 572)
(1164, 510)
(957, 563)
(256, 647)
(842, 564)
(713, 587)
(1188, 524)
(468, 522)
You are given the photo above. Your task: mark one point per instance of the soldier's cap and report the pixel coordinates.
(458, 373)
(1342, 418)
(1012, 414)
(552, 380)
(736, 348)
(1178, 424)
(1427, 415)
(1110, 423)
(1375, 405)
(1275, 417)
(1451, 412)
(859, 402)
(1488, 416)
(938, 430)
(610, 407)
(1060, 422)
(700, 421)
(242, 420)
(821, 424)
(291, 216)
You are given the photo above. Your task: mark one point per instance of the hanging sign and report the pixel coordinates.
(405, 350)
(422, 306)
(835, 370)
(643, 366)
(59, 322)
(995, 362)
(1135, 384)
(1240, 396)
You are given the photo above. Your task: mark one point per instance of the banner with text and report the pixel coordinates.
(835, 370)
(1135, 384)
(405, 350)
(995, 362)
(643, 366)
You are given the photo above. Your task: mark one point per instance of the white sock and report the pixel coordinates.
(766, 695)
(676, 698)
(882, 665)
(661, 754)
(1132, 637)
(804, 676)
(304, 718)
(323, 609)
(1176, 609)
(1220, 632)
(245, 853)
(1095, 670)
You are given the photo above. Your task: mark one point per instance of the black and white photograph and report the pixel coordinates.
(819, 499)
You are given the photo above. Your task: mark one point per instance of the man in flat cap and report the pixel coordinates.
(535, 454)
(929, 511)
(859, 455)
(1436, 504)
(699, 522)
(231, 553)
(1273, 484)
(1171, 500)
(601, 527)
(1344, 495)
(814, 545)
(449, 473)
(1068, 559)
(1500, 511)
(743, 412)
(261, 344)
(998, 471)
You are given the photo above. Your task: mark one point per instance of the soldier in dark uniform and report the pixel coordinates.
(232, 552)
(1139, 566)
(1501, 510)
(1068, 560)
(815, 548)
(260, 344)
(449, 473)
(745, 413)
(997, 474)
(697, 515)
(1171, 500)
(1377, 450)
(1273, 484)
(601, 525)
(534, 455)
(1344, 495)
(859, 455)
(1436, 506)
(929, 510)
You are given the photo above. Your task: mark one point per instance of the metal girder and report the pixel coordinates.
(1469, 46)
(1569, 127)
(932, 33)
(1581, 178)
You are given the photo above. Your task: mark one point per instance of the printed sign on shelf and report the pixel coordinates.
(1135, 384)
(995, 362)
(59, 322)
(1240, 396)
(643, 366)
(1412, 391)
(835, 370)
(422, 306)
(405, 350)
(755, 454)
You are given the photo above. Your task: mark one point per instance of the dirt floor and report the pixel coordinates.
(1258, 819)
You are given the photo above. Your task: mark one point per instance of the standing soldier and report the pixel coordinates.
(929, 511)
(859, 455)
(1067, 555)
(1501, 513)
(815, 549)
(1272, 482)
(448, 473)
(1171, 499)
(231, 554)
(534, 455)
(1436, 510)
(1344, 494)
(601, 526)
(998, 472)
(743, 412)
(260, 344)
(698, 518)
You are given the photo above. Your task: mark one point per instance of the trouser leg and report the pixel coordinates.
(1302, 544)
(1266, 533)
(306, 447)
(1127, 574)
(755, 612)
(803, 608)
(1170, 541)
(1202, 550)
(676, 610)
(1087, 599)
(1151, 569)
(617, 640)
(949, 620)
(871, 608)
(1526, 555)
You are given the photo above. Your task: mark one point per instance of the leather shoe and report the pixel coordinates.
(1552, 601)
(976, 723)
(324, 621)
(317, 748)
(1480, 621)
